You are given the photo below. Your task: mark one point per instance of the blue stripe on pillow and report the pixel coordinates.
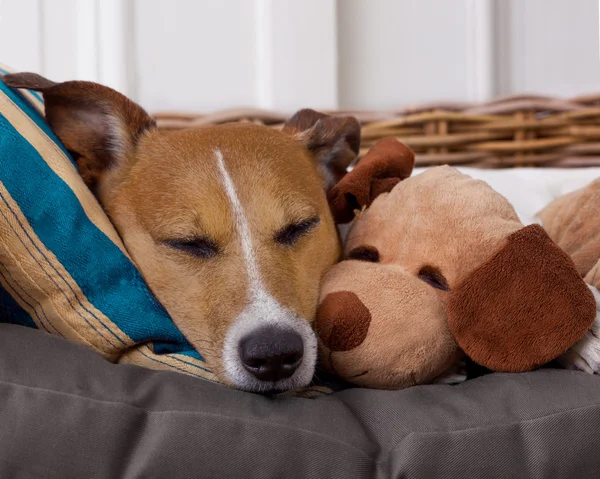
(10, 310)
(168, 348)
(10, 221)
(86, 253)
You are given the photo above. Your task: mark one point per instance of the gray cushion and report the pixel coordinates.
(67, 413)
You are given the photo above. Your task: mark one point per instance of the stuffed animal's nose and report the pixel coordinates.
(271, 354)
(342, 321)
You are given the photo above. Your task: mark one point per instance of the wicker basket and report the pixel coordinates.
(507, 132)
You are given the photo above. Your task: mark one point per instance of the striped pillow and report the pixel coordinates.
(63, 268)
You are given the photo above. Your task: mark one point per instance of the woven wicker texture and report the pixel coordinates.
(524, 130)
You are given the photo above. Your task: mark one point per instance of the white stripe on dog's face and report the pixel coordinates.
(262, 310)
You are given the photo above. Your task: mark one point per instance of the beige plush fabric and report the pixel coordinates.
(593, 277)
(573, 222)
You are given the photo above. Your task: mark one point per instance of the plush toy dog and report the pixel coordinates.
(437, 267)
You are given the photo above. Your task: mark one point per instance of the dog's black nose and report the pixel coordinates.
(271, 354)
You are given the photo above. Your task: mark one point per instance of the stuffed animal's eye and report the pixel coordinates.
(364, 253)
(199, 247)
(293, 232)
(434, 277)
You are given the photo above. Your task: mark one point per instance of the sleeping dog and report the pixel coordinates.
(229, 225)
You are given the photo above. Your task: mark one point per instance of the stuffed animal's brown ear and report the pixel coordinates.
(334, 141)
(382, 168)
(524, 307)
(98, 125)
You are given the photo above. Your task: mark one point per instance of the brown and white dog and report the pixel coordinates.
(229, 225)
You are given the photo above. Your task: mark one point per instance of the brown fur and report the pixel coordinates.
(158, 186)
(342, 321)
(437, 236)
(334, 140)
(98, 125)
(181, 196)
(498, 298)
(387, 163)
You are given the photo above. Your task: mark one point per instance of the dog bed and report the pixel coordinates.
(67, 413)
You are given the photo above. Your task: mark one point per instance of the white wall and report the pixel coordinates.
(23, 50)
(203, 55)
(393, 53)
(548, 46)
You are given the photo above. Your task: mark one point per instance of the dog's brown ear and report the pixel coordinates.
(382, 168)
(334, 141)
(522, 308)
(98, 125)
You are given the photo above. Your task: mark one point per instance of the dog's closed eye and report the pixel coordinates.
(433, 277)
(290, 234)
(199, 247)
(366, 253)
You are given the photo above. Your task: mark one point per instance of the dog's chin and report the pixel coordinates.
(251, 384)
